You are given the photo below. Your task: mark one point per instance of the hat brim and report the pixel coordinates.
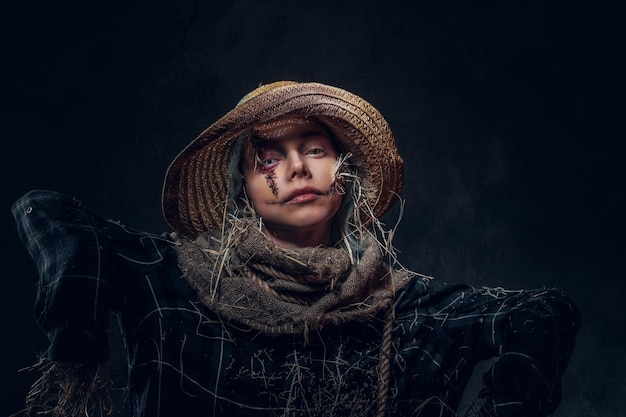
(196, 186)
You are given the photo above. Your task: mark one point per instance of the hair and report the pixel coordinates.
(353, 223)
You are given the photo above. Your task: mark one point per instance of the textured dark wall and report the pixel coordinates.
(509, 117)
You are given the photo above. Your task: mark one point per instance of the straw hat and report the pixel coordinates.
(197, 182)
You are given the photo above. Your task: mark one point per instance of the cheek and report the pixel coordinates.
(335, 197)
(257, 188)
(328, 170)
(336, 200)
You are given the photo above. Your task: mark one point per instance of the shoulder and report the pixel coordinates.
(49, 219)
(424, 295)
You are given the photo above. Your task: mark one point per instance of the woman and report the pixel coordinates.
(278, 293)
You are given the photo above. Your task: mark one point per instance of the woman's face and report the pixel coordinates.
(291, 184)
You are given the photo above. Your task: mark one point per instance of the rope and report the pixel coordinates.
(273, 272)
(384, 364)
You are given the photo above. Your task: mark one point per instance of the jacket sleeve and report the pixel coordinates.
(522, 342)
(534, 341)
(76, 289)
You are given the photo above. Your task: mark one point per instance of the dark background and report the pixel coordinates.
(510, 118)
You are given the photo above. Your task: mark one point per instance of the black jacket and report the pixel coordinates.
(455, 348)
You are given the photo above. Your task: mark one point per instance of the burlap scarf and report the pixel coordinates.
(260, 286)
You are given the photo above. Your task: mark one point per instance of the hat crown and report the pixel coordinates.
(262, 89)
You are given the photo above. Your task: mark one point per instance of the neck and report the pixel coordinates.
(290, 239)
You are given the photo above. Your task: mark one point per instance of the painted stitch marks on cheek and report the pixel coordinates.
(270, 178)
(267, 158)
(342, 174)
(338, 187)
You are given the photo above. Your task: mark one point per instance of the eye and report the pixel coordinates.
(315, 151)
(269, 161)
(268, 158)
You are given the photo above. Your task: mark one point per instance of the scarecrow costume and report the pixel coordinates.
(218, 320)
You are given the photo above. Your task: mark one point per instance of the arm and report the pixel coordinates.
(529, 335)
(83, 261)
(494, 352)
(75, 289)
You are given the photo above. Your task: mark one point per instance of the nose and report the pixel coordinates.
(297, 167)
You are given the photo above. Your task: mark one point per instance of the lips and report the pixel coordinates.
(302, 195)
